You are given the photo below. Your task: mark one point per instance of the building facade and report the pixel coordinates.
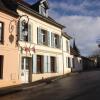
(33, 46)
(40, 50)
(76, 61)
(67, 64)
(9, 71)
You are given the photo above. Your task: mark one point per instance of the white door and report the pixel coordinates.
(25, 70)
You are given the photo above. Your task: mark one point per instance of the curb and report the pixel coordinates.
(19, 88)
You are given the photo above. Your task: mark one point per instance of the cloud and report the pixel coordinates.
(85, 29)
(79, 7)
(82, 21)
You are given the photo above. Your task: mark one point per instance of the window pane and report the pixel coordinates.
(0, 31)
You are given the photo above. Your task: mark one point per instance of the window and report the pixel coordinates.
(44, 37)
(39, 64)
(67, 45)
(43, 11)
(69, 63)
(53, 64)
(56, 41)
(1, 33)
(25, 31)
(1, 66)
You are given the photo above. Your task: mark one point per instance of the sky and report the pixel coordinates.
(82, 21)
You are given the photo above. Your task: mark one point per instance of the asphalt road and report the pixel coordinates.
(83, 86)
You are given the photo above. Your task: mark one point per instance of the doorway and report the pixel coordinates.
(26, 68)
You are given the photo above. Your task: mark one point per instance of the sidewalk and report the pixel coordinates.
(18, 88)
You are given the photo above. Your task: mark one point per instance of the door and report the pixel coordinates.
(25, 69)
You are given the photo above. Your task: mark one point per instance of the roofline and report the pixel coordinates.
(11, 13)
(37, 15)
(66, 35)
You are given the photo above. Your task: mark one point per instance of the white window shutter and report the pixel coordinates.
(34, 63)
(52, 40)
(21, 34)
(49, 38)
(45, 64)
(39, 36)
(60, 42)
(30, 32)
(57, 64)
(49, 64)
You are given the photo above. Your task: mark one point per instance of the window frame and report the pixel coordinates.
(1, 66)
(44, 34)
(69, 62)
(22, 36)
(2, 33)
(53, 61)
(56, 41)
(40, 68)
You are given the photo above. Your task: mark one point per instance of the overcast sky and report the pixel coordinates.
(82, 21)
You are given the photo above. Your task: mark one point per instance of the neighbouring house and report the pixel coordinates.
(76, 59)
(9, 68)
(96, 59)
(88, 63)
(66, 53)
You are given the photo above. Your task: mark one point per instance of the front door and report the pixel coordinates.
(25, 67)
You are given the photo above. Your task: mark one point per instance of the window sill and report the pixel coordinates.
(49, 46)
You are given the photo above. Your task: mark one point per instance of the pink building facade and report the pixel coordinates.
(9, 71)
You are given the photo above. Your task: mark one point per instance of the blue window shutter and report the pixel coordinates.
(39, 36)
(57, 65)
(45, 64)
(52, 40)
(34, 61)
(30, 32)
(49, 39)
(60, 42)
(49, 64)
(21, 34)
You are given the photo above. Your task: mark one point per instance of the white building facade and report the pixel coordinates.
(40, 49)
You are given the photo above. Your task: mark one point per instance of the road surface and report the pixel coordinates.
(82, 86)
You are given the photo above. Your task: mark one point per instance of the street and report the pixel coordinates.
(82, 86)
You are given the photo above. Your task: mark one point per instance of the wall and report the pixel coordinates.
(10, 53)
(41, 49)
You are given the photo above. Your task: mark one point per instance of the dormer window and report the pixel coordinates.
(43, 8)
(43, 11)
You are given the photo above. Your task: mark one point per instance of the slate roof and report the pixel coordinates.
(74, 52)
(28, 9)
(66, 35)
(8, 6)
